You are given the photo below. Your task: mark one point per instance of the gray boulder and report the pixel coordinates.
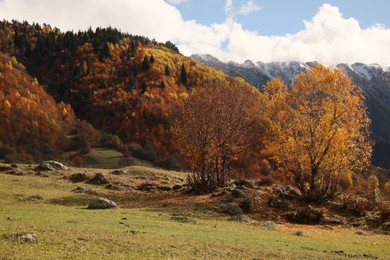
(78, 177)
(98, 179)
(84, 189)
(51, 166)
(238, 193)
(28, 238)
(386, 226)
(232, 209)
(244, 183)
(102, 203)
(270, 225)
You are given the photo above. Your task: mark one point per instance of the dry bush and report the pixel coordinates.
(265, 181)
(373, 189)
(356, 204)
(384, 209)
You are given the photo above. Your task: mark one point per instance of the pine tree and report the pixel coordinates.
(145, 63)
(183, 74)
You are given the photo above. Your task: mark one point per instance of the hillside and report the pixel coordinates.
(31, 121)
(128, 87)
(373, 79)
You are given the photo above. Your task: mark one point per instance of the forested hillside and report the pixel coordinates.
(122, 84)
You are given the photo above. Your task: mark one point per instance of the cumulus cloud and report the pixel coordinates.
(249, 8)
(245, 9)
(328, 37)
(177, 2)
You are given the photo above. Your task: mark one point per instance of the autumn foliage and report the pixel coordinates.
(319, 130)
(218, 122)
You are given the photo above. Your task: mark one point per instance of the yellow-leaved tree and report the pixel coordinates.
(319, 130)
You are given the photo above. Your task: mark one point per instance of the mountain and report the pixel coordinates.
(373, 79)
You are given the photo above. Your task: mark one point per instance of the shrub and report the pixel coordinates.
(6, 150)
(373, 188)
(384, 210)
(18, 158)
(147, 153)
(357, 205)
(265, 181)
(386, 188)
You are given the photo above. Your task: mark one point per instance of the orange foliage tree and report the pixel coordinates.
(319, 130)
(217, 123)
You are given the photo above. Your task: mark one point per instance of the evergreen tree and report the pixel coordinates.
(167, 70)
(183, 74)
(145, 63)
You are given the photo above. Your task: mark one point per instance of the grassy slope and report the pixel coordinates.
(67, 230)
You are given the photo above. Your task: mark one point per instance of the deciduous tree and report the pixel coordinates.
(319, 129)
(217, 123)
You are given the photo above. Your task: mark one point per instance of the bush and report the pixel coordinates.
(110, 140)
(373, 188)
(386, 188)
(6, 150)
(18, 158)
(265, 181)
(170, 163)
(357, 205)
(384, 210)
(147, 153)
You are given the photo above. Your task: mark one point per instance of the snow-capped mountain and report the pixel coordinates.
(372, 78)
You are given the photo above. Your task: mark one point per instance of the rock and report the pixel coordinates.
(4, 168)
(50, 166)
(28, 238)
(78, 177)
(386, 226)
(333, 220)
(177, 187)
(119, 187)
(298, 234)
(147, 187)
(102, 203)
(17, 173)
(278, 203)
(238, 193)
(307, 216)
(98, 179)
(337, 206)
(241, 218)
(232, 209)
(270, 225)
(119, 172)
(247, 204)
(183, 219)
(244, 183)
(164, 188)
(35, 197)
(84, 189)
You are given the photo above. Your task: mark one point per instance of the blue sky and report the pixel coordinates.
(279, 17)
(330, 32)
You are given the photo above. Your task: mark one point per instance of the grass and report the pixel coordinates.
(67, 230)
(106, 158)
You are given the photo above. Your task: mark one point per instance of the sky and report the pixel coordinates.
(330, 32)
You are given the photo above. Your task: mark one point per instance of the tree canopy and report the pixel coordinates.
(319, 129)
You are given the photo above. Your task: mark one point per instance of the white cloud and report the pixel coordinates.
(328, 37)
(177, 2)
(249, 8)
(228, 7)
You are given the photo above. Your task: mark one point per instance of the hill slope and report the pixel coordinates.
(122, 84)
